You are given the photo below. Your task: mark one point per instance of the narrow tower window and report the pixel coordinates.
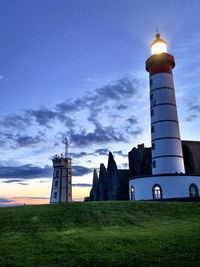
(152, 112)
(153, 102)
(152, 129)
(153, 146)
(154, 164)
(57, 173)
(55, 195)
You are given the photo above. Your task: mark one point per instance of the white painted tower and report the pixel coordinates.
(61, 191)
(167, 155)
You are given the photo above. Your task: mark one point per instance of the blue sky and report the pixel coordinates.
(77, 69)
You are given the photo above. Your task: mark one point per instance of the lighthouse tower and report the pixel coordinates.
(167, 155)
(168, 179)
(61, 191)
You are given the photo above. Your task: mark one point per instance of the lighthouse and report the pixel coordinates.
(167, 155)
(168, 180)
(61, 191)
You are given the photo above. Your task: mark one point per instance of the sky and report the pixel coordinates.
(76, 69)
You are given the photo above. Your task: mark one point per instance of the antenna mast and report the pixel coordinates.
(66, 147)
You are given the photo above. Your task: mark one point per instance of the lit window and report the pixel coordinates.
(132, 193)
(157, 192)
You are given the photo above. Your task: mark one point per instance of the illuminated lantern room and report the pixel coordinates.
(158, 46)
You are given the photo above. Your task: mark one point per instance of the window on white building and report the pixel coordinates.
(157, 192)
(193, 190)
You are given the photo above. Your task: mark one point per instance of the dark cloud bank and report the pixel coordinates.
(193, 111)
(17, 174)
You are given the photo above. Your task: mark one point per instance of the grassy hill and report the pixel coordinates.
(101, 234)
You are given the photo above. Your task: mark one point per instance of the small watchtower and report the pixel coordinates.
(61, 191)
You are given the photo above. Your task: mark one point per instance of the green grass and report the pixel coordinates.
(101, 234)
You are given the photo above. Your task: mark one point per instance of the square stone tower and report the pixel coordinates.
(61, 191)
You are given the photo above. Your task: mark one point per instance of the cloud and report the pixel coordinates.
(120, 153)
(30, 197)
(102, 151)
(16, 121)
(18, 181)
(118, 90)
(82, 185)
(191, 117)
(121, 89)
(124, 166)
(46, 117)
(124, 88)
(25, 140)
(26, 171)
(29, 171)
(5, 200)
(100, 135)
(122, 107)
(193, 110)
(78, 155)
(135, 133)
(132, 120)
(10, 140)
(86, 120)
(43, 116)
(42, 181)
(194, 107)
(80, 170)
(97, 152)
(71, 106)
(12, 181)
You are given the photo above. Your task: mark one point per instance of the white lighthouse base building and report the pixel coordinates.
(164, 187)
